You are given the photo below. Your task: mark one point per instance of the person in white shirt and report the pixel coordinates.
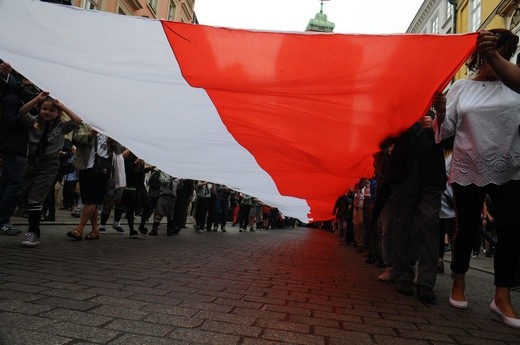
(483, 113)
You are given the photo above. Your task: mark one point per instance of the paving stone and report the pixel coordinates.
(204, 337)
(15, 320)
(74, 316)
(388, 340)
(119, 312)
(24, 337)
(283, 325)
(206, 306)
(239, 303)
(108, 292)
(291, 337)
(22, 307)
(118, 302)
(78, 295)
(253, 341)
(136, 339)
(172, 310)
(66, 303)
(22, 287)
(82, 332)
(260, 313)
(315, 321)
(174, 320)
(231, 328)
(19, 296)
(288, 309)
(64, 285)
(226, 317)
(155, 299)
(140, 327)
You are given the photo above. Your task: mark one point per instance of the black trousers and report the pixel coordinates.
(506, 200)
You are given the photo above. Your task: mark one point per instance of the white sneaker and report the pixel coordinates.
(387, 276)
(30, 240)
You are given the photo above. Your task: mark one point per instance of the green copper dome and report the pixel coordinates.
(320, 22)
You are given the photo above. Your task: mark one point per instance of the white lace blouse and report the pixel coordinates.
(484, 116)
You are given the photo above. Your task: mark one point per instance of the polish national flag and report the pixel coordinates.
(291, 118)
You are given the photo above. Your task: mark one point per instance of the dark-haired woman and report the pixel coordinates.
(484, 116)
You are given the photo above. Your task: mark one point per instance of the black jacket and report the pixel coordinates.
(14, 134)
(416, 145)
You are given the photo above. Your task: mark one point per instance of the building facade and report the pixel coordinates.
(464, 16)
(174, 10)
(434, 17)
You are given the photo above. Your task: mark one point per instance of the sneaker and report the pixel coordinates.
(387, 276)
(153, 232)
(102, 230)
(75, 214)
(240, 230)
(134, 234)
(426, 294)
(215, 229)
(200, 231)
(8, 229)
(31, 240)
(143, 231)
(119, 229)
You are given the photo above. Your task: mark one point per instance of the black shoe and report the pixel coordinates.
(381, 264)
(169, 232)
(426, 294)
(119, 229)
(134, 234)
(153, 232)
(440, 267)
(143, 231)
(405, 288)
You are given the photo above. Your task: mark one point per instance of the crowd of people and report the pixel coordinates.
(447, 181)
(44, 143)
(450, 181)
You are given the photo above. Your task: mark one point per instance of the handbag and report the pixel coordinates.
(102, 165)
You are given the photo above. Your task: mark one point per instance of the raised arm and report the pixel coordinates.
(73, 116)
(506, 71)
(24, 110)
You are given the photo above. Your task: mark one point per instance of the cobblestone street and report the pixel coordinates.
(282, 286)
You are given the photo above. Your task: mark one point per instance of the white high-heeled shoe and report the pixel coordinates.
(508, 321)
(458, 304)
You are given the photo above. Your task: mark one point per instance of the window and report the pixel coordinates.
(449, 10)
(475, 12)
(172, 10)
(435, 25)
(153, 4)
(91, 4)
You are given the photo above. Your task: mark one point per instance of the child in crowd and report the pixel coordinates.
(46, 139)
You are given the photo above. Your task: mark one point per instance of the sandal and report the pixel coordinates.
(75, 234)
(92, 236)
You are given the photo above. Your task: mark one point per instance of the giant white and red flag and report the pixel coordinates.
(291, 118)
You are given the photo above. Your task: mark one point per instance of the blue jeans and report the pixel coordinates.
(10, 185)
(220, 216)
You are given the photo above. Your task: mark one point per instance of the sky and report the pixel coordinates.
(350, 16)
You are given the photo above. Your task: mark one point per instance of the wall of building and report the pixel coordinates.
(160, 9)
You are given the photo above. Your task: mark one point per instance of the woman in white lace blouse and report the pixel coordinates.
(484, 116)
